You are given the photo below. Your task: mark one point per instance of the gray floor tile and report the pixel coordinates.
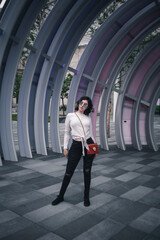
(130, 184)
(13, 226)
(151, 237)
(4, 183)
(158, 188)
(143, 179)
(134, 159)
(21, 179)
(106, 187)
(156, 232)
(154, 172)
(153, 183)
(147, 222)
(41, 181)
(59, 220)
(114, 206)
(97, 167)
(130, 213)
(79, 226)
(27, 188)
(122, 164)
(50, 236)
(7, 215)
(32, 205)
(13, 188)
(156, 157)
(36, 165)
(2, 208)
(132, 167)
(147, 161)
(29, 162)
(155, 164)
(56, 174)
(127, 176)
(108, 170)
(19, 199)
(116, 173)
(152, 199)
(50, 168)
(45, 212)
(137, 193)
(19, 173)
(129, 233)
(102, 231)
(29, 233)
(51, 189)
(99, 180)
(9, 169)
(145, 170)
(118, 190)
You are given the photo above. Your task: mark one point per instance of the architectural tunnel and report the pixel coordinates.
(95, 75)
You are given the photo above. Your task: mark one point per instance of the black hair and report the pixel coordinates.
(90, 105)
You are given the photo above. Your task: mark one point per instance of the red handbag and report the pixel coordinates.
(93, 148)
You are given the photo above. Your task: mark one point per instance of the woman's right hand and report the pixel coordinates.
(65, 153)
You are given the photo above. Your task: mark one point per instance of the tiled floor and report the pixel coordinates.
(125, 198)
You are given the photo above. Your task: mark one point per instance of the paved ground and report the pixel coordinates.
(125, 198)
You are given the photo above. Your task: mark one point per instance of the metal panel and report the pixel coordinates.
(8, 22)
(110, 78)
(136, 86)
(150, 116)
(139, 133)
(8, 80)
(148, 95)
(45, 73)
(83, 84)
(27, 86)
(112, 66)
(64, 34)
(65, 56)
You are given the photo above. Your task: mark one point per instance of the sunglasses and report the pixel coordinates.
(83, 104)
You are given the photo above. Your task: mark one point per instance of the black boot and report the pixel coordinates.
(57, 200)
(86, 202)
(87, 183)
(65, 183)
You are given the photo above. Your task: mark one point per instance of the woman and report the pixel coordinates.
(74, 129)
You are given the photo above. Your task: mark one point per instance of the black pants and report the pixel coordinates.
(74, 157)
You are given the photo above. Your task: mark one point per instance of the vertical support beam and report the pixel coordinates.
(8, 147)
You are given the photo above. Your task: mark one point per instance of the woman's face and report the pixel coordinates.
(83, 106)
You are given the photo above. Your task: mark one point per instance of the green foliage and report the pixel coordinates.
(63, 107)
(65, 90)
(14, 117)
(104, 15)
(36, 28)
(30, 40)
(66, 86)
(17, 85)
(134, 54)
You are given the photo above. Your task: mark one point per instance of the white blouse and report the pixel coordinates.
(73, 128)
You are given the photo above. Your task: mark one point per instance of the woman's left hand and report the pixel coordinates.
(65, 153)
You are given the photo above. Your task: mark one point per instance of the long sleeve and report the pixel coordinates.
(91, 130)
(67, 132)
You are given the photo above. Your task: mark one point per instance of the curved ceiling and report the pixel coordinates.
(95, 75)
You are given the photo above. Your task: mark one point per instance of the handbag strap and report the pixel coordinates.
(81, 124)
